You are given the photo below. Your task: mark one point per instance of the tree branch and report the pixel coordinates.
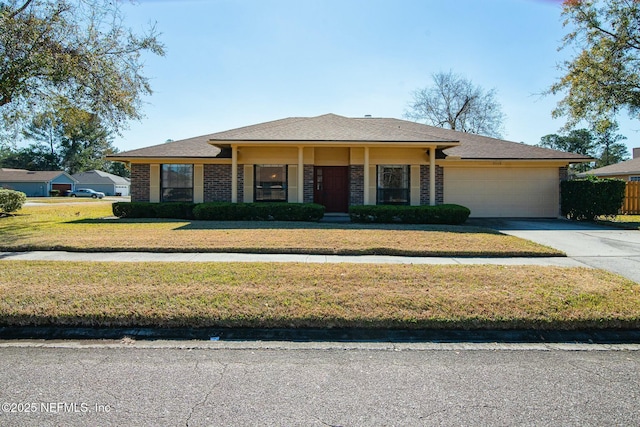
(21, 9)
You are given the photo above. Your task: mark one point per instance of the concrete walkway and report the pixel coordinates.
(608, 248)
(239, 257)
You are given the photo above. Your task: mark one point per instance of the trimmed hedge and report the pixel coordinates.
(176, 210)
(259, 211)
(11, 200)
(585, 199)
(439, 214)
(221, 211)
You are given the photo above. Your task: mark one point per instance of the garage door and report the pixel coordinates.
(61, 187)
(504, 191)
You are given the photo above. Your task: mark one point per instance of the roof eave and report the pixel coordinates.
(332, 143)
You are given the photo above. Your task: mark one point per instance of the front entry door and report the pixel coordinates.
(331, 187)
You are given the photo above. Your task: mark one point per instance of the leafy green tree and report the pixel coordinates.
(35, 157)
(454, 102)
(76, 52)
(603, 79)
(611, 150)
(118, 168)
(68, 139)
(579, 141)
(601, 145)
(83, 141)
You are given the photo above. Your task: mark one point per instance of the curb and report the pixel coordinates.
(605, 336)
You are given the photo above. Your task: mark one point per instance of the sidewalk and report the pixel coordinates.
(303, 258)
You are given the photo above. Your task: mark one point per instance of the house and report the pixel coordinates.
(338, 161)
(105, 182)
(36, 183)
(627, 171)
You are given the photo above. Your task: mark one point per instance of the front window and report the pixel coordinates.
(393, 184)
(177, 183)
(634, 178)
(271, 183)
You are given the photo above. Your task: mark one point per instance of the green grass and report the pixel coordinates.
(62, 200)
(82, 227)
(283, 295)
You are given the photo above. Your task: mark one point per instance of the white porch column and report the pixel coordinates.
(300, 174)
(366, 176)
(432, 176)
(234, 174)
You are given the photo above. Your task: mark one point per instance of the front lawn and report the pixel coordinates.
(81, 227)
(284, 295)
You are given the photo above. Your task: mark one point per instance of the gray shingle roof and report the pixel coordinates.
(629, 167)
(23, 175)
(334, 128)
(330, 127)
(100, 177)
(192, 147)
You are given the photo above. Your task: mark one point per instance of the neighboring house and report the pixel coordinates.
(36, 183)
(105, 182)
(628, 170)
(338, 161)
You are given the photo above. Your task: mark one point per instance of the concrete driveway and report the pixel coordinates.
(608, 248)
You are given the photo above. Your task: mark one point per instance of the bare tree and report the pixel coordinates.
(455, 102)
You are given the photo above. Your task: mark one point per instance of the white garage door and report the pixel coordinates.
(122, 189)
(503, 191)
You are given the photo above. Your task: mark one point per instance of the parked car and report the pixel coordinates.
(86, 192)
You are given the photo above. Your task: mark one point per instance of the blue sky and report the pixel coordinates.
(232, 63)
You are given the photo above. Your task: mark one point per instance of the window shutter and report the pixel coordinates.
(373, 185)
(198, 183)
(414, 182)
(247, 188)
(292, 183)
(154, 183)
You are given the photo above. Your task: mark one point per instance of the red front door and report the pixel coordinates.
(331, 187)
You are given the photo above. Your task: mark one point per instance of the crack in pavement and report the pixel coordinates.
(208, 394)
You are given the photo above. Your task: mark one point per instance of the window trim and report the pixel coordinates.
(285, 182)
(162, 182)
(379, 189)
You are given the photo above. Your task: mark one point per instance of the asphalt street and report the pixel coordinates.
(160, 384)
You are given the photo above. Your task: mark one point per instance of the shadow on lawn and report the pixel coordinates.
(286, 225)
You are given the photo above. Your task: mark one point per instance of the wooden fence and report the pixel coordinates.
(631, 205)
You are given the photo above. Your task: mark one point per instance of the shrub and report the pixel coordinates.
(585, 199)
(177, 210)
(439, 214)
(11, 200)
(220, 211)
(134, 210)
(54, 193)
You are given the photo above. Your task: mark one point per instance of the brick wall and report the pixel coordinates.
(356, 185)
(439, 185)
(217, 183)
(240, 184)
(424, 185)
(140, 180)
(308, 184)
